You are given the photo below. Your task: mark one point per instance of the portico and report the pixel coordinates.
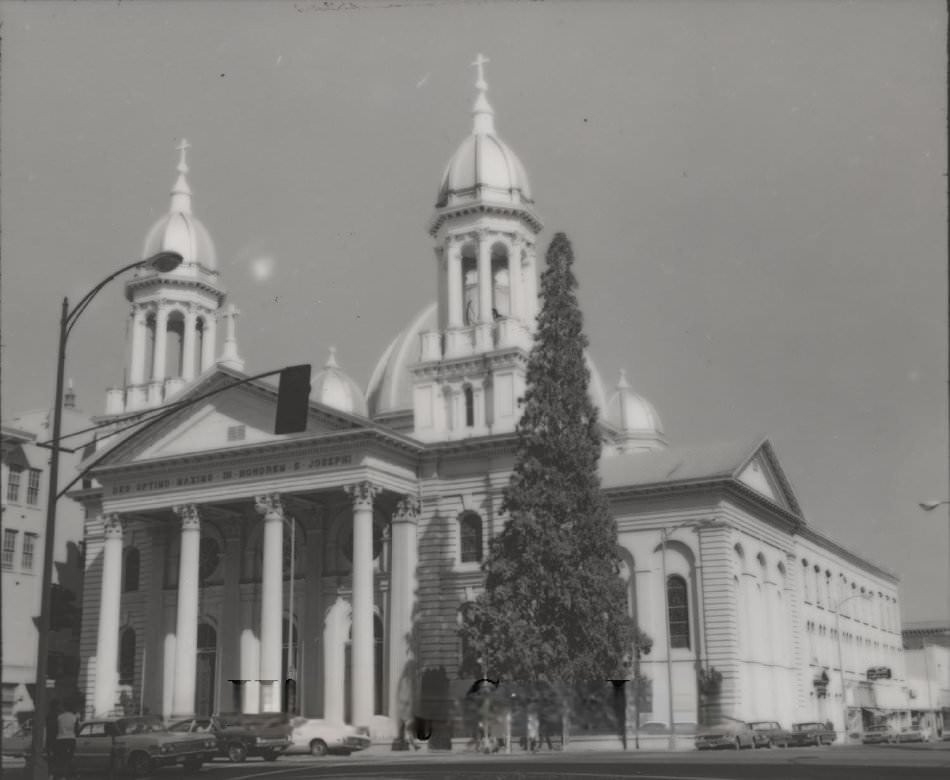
(216, 528)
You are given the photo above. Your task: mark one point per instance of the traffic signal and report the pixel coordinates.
(293, 399)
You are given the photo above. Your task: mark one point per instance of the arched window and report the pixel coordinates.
(678, 611)
(127, 657)
(130, 580)
(470, 538)
(469, 667)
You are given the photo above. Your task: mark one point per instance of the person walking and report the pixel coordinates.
(67, 723)
(533, 729)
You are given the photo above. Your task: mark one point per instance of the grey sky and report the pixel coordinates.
(755, 192)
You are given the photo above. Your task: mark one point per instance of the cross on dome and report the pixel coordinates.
(331, 360)
(183, 147)
(181, 193)
(482, 111)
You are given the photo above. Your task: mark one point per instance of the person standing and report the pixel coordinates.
(67, 723)
(533, 729)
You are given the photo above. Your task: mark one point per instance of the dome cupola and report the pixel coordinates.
(335, 388)
(484, 171)
(635, 418)
(180, 231)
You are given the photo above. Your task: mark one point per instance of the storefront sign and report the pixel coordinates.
(879, 673)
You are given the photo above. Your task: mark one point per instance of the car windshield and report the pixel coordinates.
(139, 726)
(183, 725)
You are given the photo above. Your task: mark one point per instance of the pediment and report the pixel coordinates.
(236, 417)
(762, 473)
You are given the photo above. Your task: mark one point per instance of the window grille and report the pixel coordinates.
(29, 545)
(470, 533)
(9, 547)
(678, 608)
(13, 484)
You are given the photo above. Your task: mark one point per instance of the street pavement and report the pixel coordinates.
(861, 762)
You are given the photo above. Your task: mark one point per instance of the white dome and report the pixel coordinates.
(484, 168)
(390, 387)
(633, 414)
(335, 388)
(182, 233)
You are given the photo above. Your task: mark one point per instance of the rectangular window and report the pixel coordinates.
(29, 545)
(13, 484)
(9, 547)
(677, 599)
(33, 488)
(236, 433)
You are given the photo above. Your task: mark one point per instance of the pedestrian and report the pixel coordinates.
(533, 728)
(409, 733)
(67, 723)
(52, 728)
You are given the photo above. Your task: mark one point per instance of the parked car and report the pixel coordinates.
(909, 735)
(319, 737)
(769, 733)
(877, 734)
(237, 737)
(811, 733)
(654, 727)
(137, 745)
(728, 733)
(17, 740)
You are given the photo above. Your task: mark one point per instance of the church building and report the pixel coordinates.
(222, 560)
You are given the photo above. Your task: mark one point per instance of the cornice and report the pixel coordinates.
(450, 212)
(170, 281)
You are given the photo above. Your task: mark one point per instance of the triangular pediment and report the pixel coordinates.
(236, 417)
(762, 473)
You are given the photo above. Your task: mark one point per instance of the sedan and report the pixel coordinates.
(728, 733)
(319, 737)
(811, 733)
(769, 733)
(876, 735)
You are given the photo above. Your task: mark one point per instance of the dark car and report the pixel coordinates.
(811, 733)
(769, 733)
(240, 736)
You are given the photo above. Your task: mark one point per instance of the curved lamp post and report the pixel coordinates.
(844, 698)
(665, 534)
(163, 262)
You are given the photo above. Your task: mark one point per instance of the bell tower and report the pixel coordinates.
(472, 368)
(174, 315)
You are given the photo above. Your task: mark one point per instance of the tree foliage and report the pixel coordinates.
(554, 607)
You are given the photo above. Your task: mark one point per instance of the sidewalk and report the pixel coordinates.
(577, 744)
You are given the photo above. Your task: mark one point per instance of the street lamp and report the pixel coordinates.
(930, 506)
(844, 699)
(163, 262)
(665, 534)
(291, 672)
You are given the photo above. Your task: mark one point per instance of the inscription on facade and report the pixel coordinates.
(307, 462)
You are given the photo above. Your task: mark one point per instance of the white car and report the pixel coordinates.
(319, 737)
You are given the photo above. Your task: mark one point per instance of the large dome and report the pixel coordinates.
(390, 387)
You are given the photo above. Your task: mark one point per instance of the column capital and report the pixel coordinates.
(362, 493)
(270, 506)
(407, 510)
(190, 517)
(112, 526)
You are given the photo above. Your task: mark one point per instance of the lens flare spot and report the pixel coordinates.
(262, 268)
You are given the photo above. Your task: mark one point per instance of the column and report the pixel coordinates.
(188, 347)
(402, 591)
(231, 624)
(186, 631)
(484, 278)
(272, 601)
(107, 643)
(363, 676)
(311, 690)
(155, 627)
(208, 342)
(454, 272)
(531, 288)
(515, 275)
(161, 338)
(137, 360)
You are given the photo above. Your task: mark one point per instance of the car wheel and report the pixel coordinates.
(318, 748)
(140, 764)
(270, 755)
(193, 764)
(236, 752)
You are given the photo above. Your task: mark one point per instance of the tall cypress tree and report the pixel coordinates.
(554, 607)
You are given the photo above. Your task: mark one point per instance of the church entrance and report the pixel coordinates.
(206, 670)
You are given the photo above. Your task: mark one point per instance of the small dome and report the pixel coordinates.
(390, 387)
(632, 414)
(180, 231)
(484, 168)
(335, 388)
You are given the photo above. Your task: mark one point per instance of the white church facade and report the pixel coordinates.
(222, 560)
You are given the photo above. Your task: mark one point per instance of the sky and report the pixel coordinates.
(755, 191)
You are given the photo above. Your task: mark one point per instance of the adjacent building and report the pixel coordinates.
(223, 560)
